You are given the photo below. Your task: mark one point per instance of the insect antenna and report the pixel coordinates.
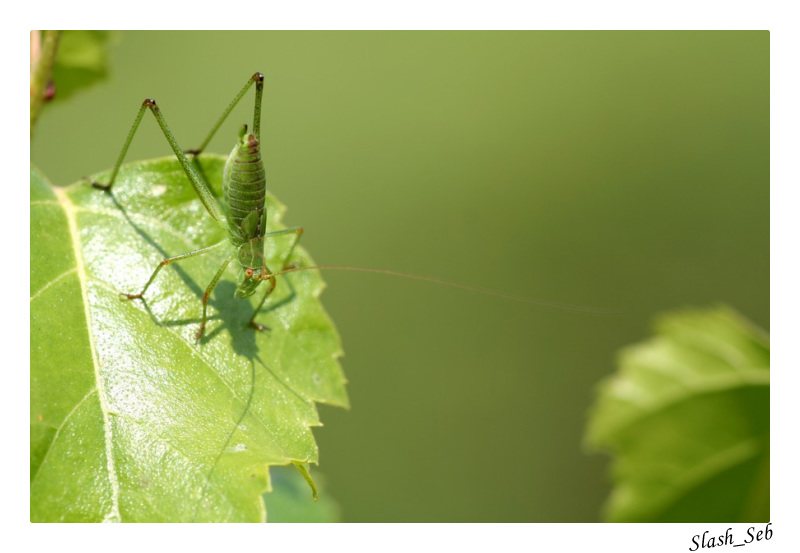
(453, 284)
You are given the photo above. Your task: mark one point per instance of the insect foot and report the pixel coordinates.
(98, 185)
(259, 327)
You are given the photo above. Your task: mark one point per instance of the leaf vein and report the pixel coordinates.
(52, 282)
(754, 377)
(192, 463)
(58, 433)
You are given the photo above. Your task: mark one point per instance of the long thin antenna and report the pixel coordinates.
(523, 299)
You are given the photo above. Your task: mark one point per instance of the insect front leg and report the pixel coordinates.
(208, 291)
(252, 322)
(298, 233)
(166, 262)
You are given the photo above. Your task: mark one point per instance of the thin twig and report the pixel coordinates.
(42, 71)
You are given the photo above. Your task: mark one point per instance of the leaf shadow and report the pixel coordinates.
(232, 312)
(184, 276)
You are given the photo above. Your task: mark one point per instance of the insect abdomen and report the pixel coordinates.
(244, 190)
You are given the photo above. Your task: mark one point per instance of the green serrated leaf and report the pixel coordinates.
(687, 419)
(131, 420)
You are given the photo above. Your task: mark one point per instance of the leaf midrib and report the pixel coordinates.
(69, 211)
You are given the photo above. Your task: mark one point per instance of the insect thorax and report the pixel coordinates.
(253, 268)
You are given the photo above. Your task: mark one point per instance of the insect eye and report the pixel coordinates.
(248, 273)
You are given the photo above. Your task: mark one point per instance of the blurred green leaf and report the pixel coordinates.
(291, 499)
(81, 62)
(687, 420)
(131, 420)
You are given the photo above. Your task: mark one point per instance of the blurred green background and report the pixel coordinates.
(627, 170)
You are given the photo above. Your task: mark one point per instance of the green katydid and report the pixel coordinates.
(244, 215)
